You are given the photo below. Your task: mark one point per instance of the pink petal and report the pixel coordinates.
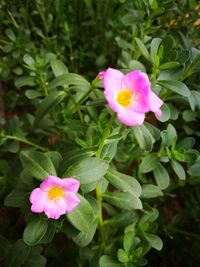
(71, 201)
(130, 117)
(155, 103)
(139, 84)
(38, 199)
(51, 181)
(100, 75)
(111, 99)
(71, 185)
(54, 209)
(137, 81)
(158, 113)
(112, 80)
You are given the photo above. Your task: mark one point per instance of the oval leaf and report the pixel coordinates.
(107, 261)
(175, 86)
(58, 67)
(123, 200)
(88, 170)
(67, 79)
(82, 217)
(48, 103)
(149, 163)
(123, 182)
(154, 241)
(150, 191)
(37, 164)
(143, 49)
(17, 254)
(35, 231)
(143, 137)
(177, 167)
(161, 176)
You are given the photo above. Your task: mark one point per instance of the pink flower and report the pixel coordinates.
(130, 95)
(55, 196)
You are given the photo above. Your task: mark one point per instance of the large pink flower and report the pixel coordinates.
(55, 196)
(130, 95)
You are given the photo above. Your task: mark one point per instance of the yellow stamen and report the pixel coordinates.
(55, 193)
(125, 98)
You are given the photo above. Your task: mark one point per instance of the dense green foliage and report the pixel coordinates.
(139, 185)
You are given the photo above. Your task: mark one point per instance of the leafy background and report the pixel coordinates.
(53, 118)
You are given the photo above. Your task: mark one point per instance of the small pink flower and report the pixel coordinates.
(130, 95)
(55, 196)
(100, 75)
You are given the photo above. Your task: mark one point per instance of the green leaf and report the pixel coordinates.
(155, 132)
(168, 42)
(175, 86)
(189, 115)
(32, 94)
(122, 219)
(25, 81)
(165, 113)
(143, 137)
(154, 241)
(109, 151)
(128, 241)
(123, 200)
(4, 246)
(17, 254)
(88, 170)
(168, 136)
(55, 157)
(10, 34)
(122, 256)
(149, 162)
(107, 261)
(48, 103)
(179, 170)
(49, 235)
(36, 261)
(15, 198)
(132, 19)
(161, 176)
(37, 164)
(83, 239)
(155, 43)
(169, 65)
(143, 49)
(150, 191)
(58, 67)
(194, 170)
(75, 155)
(29, 60)
(153, 4)
(67, 79)
(186, 143)
(123, 182)
(82, 217)
(35, 231)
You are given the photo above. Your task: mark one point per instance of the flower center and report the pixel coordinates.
(55, 193)
(125, 98)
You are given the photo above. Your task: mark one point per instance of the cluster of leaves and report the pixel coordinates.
(56, 122)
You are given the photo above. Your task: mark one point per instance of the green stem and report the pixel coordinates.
(16, 138)
(185, 233)
(98, 187)
(74, 102)
(84, 97)
(101, 223)
(43, 85)
(105, 136)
